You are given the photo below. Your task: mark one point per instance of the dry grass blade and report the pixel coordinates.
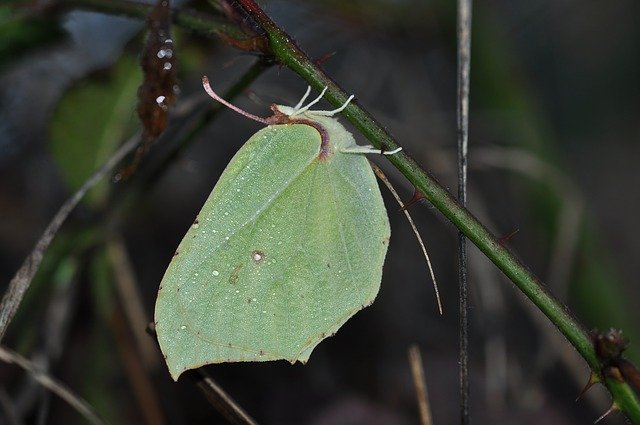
(22, 279)
(420, 383)
(387, 183)
(75, 401)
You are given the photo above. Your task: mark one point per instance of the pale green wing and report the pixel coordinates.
(284, 251)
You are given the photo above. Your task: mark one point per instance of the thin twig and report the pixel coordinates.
(464, 54)
(420, 384)
(61, 390)
(22, 279)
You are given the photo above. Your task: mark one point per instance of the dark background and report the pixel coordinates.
(554, 149)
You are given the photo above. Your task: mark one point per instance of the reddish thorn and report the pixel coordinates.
(593, 379)
(322, 59)
(506, 238)
(417, 195)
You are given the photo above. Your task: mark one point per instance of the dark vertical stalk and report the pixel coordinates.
(464, 52)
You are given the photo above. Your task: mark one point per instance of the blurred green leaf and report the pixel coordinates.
(92, 120)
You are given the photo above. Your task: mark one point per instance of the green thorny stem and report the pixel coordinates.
(279, 45)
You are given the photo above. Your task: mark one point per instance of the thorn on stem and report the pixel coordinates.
(506, 238)
(612, 408)
(593, 379)
(325, 57)
(417, 195)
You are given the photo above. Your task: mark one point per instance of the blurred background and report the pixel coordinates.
(553, 156)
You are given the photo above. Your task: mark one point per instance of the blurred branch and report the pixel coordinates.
(54, 386)
(193, 20)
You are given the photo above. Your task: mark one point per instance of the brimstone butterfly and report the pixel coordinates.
(289, 245)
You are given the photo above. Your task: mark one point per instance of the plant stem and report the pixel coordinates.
(462, 106)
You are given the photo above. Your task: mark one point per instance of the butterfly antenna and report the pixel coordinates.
(210, 92)
(387, 183)
(304, 97)
(313, 102)
(334, 111)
